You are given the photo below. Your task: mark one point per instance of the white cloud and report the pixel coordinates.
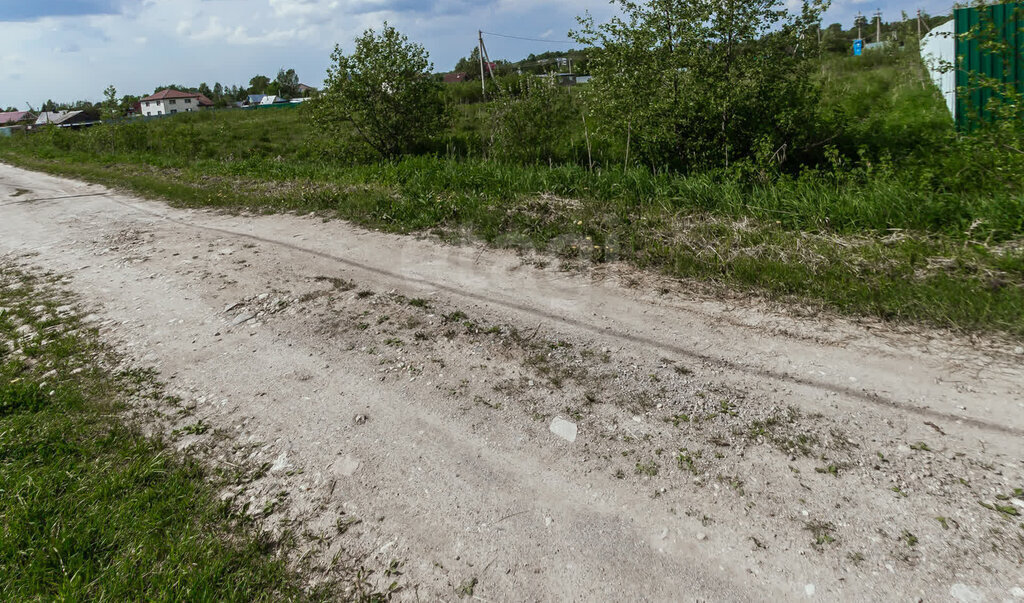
(157, 42)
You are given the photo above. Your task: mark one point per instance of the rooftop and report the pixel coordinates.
(13, 117)
(168, 93)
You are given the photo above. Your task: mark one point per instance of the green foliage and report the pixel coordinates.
(383, 91)
(287, 83)
(258, 84)
(470, 65)
(535, 125)
(700, 84)
(110, 104)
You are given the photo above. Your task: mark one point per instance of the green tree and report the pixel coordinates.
(697, 83)
(258, 84)
(126, 103)
(383, 89)
(110, 108)
(287, 83)
(470, 65)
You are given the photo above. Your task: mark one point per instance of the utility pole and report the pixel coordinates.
(480, 51)
(860, 19)
(918, 24)
(878, 25)
(487, 57)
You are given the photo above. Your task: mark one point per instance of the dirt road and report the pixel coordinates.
(504, 429)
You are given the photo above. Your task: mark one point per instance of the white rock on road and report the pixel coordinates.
(564, 429)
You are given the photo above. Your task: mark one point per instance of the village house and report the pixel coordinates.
(63, 119)
(169, 102)
(10, 118)
(12, 121)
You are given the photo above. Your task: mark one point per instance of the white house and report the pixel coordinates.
(168, 102)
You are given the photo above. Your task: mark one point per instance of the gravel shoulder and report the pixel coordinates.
(400, 400)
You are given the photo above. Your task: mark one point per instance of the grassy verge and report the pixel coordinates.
(909, 223)
(951, 278)
(90, 509)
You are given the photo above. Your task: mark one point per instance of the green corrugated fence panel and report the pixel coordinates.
(1008, 19)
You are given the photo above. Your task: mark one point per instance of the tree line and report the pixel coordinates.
(285, 84)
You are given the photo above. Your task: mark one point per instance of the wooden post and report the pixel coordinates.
(483, 47)
(480, 51)
(586, 133)
(629, 135)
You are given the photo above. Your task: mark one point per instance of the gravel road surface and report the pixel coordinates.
(500, 426)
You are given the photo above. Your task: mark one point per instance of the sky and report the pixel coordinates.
(67, 50)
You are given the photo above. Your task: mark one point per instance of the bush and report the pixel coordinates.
(385, 92)
(537, 126)
(697, 84)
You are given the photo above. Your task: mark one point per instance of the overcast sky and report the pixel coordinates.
(72, 49)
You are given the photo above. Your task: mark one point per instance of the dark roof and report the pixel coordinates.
(168, 93)
(55, 117)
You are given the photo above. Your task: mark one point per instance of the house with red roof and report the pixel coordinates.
(169, 102)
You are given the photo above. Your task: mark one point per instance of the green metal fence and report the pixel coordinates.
(1002, 59)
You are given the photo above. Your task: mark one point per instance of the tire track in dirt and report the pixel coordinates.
(867, 397)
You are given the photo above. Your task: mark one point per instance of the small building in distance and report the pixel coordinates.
(569, 79)
(306, 91)
(63, 119)
(254, 99)
(169, 102)
(272, 100)
(11, 118)
(455, 77)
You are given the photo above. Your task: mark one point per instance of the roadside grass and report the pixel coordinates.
(929, 237)
(90, 509)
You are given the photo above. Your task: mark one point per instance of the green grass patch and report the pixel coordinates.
(90, 509)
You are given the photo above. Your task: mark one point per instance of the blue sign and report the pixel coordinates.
(858, 47)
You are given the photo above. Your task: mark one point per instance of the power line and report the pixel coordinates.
(491, 33)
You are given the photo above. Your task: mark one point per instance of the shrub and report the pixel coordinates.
(535, 126)
(384, 90)
(699, 84)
